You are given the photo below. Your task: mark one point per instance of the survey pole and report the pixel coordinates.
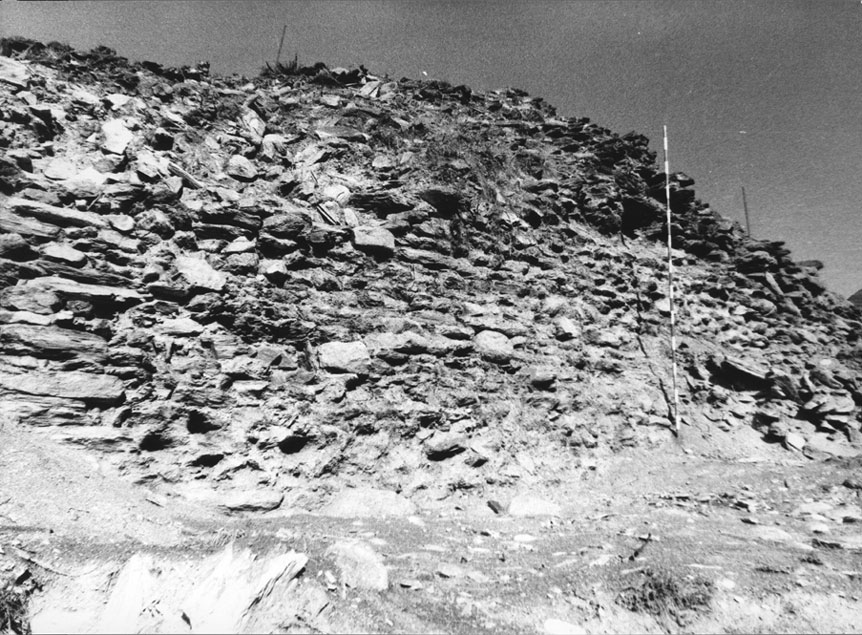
(670, 295)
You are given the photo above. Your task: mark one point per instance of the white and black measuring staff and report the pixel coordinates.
(675, 407)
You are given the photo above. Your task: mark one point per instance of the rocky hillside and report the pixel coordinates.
(253, 292)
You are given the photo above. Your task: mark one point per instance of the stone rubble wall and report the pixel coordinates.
(257, 283)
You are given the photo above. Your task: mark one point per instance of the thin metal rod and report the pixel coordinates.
(280, 45)
(747, 219)
(675, 407)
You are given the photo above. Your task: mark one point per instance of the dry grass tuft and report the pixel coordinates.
(667, 597)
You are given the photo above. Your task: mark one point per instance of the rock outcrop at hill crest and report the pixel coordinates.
(321, 275)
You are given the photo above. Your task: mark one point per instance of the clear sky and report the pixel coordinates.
(763, 94)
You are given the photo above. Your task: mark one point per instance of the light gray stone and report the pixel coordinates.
(252, 501)
(553, 626)
(494, 347)
(367, 502)
(344, 357)
(52, 342)
(525, 505)
(117, 136)
(375, 240)
(442, 445)
(104, 390)
(65, 253)
(60, 216)
(13, 72)
(241, 168)
(199, 274)
(565, 329)
(60, 169)
(70, 289)
(359, 565)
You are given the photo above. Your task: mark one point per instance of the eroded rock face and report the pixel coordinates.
(247, 303)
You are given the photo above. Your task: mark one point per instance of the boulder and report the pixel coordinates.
(199, 274)
(241, 168)
(374, 240)
(14, 247)
(344, 357)
(565, 329)
(359, 565)
(288, 225)
(30, 298)
(442, 445)
(494, 347)
(745, 374)
(542, 378)
(117, 136)
(180, 327)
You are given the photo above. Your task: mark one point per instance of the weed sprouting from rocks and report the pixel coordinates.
(666, 596)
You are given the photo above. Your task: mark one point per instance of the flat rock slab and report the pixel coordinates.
(37, 410)
(59, 169)
(181, 327)
(374, 240)
(100, 390)
(366, 502)
(251, 501)
(96, 293)
(52, 342)
(359, 565)
(117, 136)
(13, 72)
(60, 216)
(99, 438)
(231, 591)
(344, 357)
(15, 224)
(66, 254)
(818, 445)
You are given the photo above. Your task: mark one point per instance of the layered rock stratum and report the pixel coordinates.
(250, 295)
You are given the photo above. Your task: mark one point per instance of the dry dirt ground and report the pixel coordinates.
(694, 537)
